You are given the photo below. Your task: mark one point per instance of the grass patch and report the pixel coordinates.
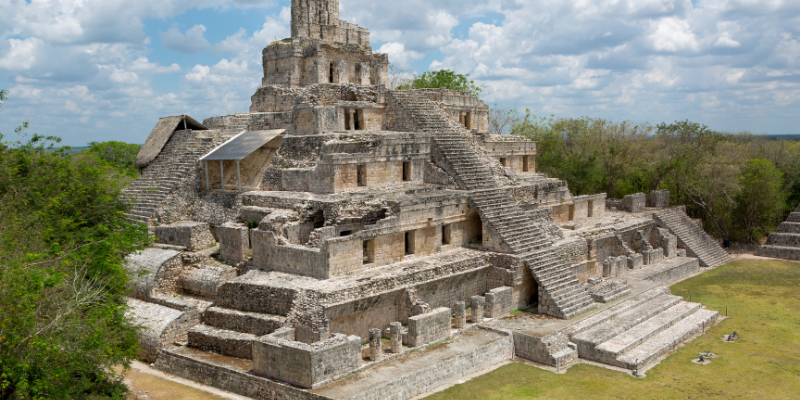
(517, 312)
(763, 299)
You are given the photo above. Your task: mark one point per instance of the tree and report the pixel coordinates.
(63, 239)
(446, 79)
(118, 155)
(500, 121)
(760, 202)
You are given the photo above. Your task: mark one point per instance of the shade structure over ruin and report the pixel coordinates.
(161, 134)
(243, 148)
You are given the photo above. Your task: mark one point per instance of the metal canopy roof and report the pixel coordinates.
(242, 145)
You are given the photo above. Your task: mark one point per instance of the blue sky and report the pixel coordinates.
(95, 70)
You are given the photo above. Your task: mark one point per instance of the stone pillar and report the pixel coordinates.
(375, 352)
(352, 119)
(461, 314)
(396, 337)
(477, 309)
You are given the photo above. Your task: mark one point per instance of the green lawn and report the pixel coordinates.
(763, 298)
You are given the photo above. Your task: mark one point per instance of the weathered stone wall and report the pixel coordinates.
(306, 365)
(205, 279)
(658, 199)
(155, 271)
(162, 326)
(246, 295)
(550, 350)
(634, 202)
(233, 380)
(189, 234)
(429, 328)
(288, 258)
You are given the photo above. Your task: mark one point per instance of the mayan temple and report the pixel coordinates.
(321, 245)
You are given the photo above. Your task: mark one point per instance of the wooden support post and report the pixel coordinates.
(208, 185)
(239, 176)
(222, 175)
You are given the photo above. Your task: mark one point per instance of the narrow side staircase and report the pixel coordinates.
(691, 237)
(174, 165)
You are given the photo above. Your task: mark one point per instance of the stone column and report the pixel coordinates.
(352, 119)
(477, 309)
(461, 314)
(375, 352)
(396, 337)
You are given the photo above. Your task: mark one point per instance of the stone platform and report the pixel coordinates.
(667, 271)
(423, 371)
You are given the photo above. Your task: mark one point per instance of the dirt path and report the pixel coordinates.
(149, 384)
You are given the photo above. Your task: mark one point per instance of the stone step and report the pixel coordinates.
(615, 310)
(789, 227)
(241, 321)
(794, 217)
(590, 338)
(784, 239)
(782, 252)
(633, 337)
(222, 341)
(658, 345)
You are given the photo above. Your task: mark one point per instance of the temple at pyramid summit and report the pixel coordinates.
(344, 240)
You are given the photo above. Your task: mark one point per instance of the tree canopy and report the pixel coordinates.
(445, 78)
(63, 239)
(741, 185)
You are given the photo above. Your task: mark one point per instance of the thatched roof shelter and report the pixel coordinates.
(161, 134)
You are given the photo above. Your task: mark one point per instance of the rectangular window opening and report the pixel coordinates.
(504, 162)
(369, 251)
(345, 232)
(361, 171)
(526, 164)
(330, 75)
(406, 171)
(410, 242)
(446, 234)
(590, 206)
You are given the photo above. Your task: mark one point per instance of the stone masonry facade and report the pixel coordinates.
(372, 223)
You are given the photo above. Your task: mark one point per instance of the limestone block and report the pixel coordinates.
(669, 245)
(375, 351)
(658, 199)
(428, 328)
(477, 304)
(396, 337)
(636, 261)
(162, 326)
(306, 365)
(498, 302)
(189, 234)
(155, 271)
(205, 279)
(234, 242)
(254, 214)
(460, 315)
(634, 202)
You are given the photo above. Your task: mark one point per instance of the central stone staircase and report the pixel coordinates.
(561, 294)
(692, 238)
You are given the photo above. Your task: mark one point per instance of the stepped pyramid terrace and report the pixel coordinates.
(340, 226)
